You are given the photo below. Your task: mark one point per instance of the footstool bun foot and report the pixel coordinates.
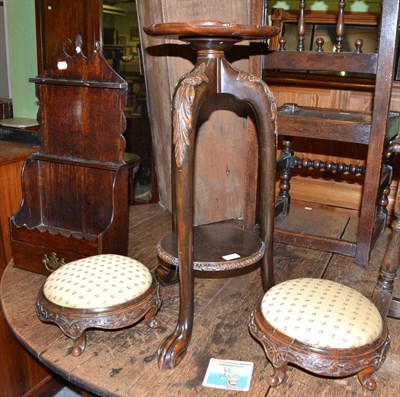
(150, 318)
(366, 379)
(79, 345)
(103, 291)
(278, 377)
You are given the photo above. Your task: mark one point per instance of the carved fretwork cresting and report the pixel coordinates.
(183, 110)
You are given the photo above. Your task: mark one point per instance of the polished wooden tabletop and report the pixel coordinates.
(123, 363)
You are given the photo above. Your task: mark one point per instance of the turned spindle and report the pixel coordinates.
(340, 27)
(301, 28)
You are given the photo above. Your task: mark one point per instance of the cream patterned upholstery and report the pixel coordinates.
(97, 282)
(322, 313)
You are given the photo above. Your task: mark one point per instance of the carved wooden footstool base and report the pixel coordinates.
(321, 326)
(103, 291)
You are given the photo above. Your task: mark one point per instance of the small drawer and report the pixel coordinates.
(41, 260)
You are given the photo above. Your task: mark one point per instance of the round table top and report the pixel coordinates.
(209, 29)
(216, 247)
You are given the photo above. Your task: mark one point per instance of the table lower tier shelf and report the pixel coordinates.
(211, 244)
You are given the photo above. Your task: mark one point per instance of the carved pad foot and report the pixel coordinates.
(173, 348)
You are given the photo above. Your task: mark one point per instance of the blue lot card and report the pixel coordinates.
(228, 374)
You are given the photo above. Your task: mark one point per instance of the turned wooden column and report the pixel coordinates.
(196, 248)
(386, 302)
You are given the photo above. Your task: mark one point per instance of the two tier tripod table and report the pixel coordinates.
(202, 248)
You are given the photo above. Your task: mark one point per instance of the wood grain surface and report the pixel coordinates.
(221, 136)
(20, 373)
(123, 363)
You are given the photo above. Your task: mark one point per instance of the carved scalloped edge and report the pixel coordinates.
(64, 233)
(93, 68)
(211, 28)
(215, 266)
(320, 361)
(73, 327)
(72, 322)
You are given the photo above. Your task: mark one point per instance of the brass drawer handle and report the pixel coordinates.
(52, 263)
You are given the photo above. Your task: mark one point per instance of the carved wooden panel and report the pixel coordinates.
(59, 19)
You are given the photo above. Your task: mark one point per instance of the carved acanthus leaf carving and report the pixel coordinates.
(242, 76)
(73, 325)
(183, 107)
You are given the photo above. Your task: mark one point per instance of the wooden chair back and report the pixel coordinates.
(373, 129)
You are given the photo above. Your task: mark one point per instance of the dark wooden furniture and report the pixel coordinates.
(334, 125)
(222, 150)
(124, 362)
(308, 188)
(384, 295)
(101, 291)
(323, 24)
(20, 373)
(199, 250)
(58, 19)
(75, 201)
(12, 158)
(321, 326)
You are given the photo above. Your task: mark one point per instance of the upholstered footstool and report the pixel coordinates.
(103, 291)
(321, 326)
